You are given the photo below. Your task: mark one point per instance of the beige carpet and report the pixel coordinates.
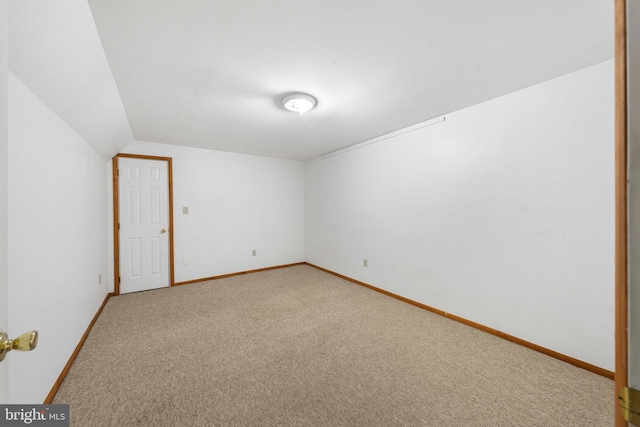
(299, 347)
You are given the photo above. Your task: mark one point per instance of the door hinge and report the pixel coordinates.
(118, 226)
(118, 172)
(629, 403)
(119, 279)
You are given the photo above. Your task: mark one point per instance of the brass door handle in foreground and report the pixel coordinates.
(25, 342)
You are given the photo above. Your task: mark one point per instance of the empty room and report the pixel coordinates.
(225, 212)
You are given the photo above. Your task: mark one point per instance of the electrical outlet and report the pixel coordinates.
(99, 279)
(365, 263)
(185, 210)
(185, 260)
(254, 252)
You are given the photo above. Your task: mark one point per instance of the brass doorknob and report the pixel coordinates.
(164, 230)
(25, 342)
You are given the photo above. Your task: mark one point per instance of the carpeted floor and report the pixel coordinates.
(299, 347)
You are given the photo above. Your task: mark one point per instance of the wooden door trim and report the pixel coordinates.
(116, 216)
(621, 267)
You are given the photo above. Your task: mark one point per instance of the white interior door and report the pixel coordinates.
(4, 285)
(143, 197)
(4, 142)
(4, 377)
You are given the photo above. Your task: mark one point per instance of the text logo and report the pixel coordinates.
(34, 415)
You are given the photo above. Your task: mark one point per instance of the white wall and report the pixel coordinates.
(237, 203)
(57, 240)
(503, 214)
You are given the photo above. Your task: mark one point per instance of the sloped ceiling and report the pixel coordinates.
(55, 50)
(211, 73)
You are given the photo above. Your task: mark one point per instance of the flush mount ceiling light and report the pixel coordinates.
(299, 102)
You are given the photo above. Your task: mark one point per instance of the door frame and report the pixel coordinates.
(116, 216)
(621, 230)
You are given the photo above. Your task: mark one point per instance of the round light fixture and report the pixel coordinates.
(299, 102)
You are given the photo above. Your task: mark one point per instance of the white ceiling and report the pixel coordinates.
(55, 50)
(211, 73)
